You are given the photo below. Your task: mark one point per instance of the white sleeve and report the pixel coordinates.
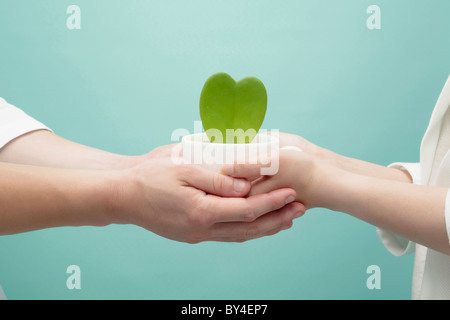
(14, 123)
(447, 214)
(395, 244)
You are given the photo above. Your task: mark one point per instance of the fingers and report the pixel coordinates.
(216, 183)
(245, 170)
(288, 140)
(225, 215)
(268, 224)
(262, 185)
(216, 209)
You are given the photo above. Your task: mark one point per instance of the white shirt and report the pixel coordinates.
(431, 276)
(14, 123)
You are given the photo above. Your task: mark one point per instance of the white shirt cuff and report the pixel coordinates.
(15, 123)
(447, 214)
(395, 244)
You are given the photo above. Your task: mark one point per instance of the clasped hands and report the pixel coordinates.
(62, 183)
(191, 204)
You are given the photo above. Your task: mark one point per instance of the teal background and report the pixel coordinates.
(134, 73)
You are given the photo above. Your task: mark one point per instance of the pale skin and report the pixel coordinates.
(47, 181)
(384, 197)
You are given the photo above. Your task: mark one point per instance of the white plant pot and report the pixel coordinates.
(264, 149)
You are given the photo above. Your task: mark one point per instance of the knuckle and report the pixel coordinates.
(277, 203)
(286, 223)
(183, 171)
(282, 227)
(217, 182)
(199, 216)
(248, 214)
(289, 225)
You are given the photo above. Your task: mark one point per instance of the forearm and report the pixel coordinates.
(34, 198)
(44, 148)
(411, 211)
(343, 162)
(362, 167)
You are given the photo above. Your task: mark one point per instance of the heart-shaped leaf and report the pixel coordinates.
(232, 112)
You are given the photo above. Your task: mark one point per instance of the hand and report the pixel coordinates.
(190, 204)
(161, 152)
(414, 212)
(344, 163)
(297, 170)
(287, 139)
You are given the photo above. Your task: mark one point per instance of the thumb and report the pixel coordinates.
(218, 183)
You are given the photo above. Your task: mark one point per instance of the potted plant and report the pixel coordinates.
(232, 113)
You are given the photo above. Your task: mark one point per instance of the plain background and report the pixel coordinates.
(133, 73)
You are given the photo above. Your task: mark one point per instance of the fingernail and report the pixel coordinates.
(239, 185)
(289, 199)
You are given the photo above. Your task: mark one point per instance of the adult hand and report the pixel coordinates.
(191, 204)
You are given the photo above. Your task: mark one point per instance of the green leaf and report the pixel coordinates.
(232, 112)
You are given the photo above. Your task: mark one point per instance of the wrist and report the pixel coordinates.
(325, 154)
(127, 190)
(118, 189)
(333, 186)
(332, 158)
(123, 162)
(103, 197)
